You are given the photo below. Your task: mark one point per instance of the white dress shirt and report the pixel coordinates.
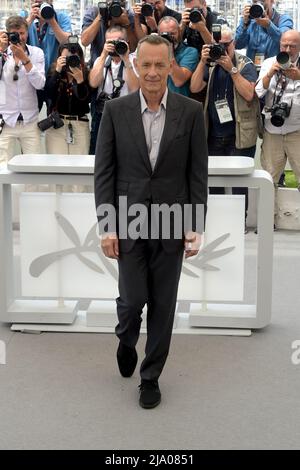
(291, 96)
(19, 96)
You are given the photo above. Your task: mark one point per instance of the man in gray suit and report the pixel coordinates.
(151, 150)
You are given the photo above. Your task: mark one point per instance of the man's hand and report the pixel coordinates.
(198, 26)
(137, 9)
(225, 62)
(263, 22)
(185, 16)
(205, 53)
(110, 245)
(18, 52)
(273, 70)
(246, 14)
(34, 12)
(125, 57)
(3, 41)
(293, 73)
(108, 47)
(192, 242)
(151, 22)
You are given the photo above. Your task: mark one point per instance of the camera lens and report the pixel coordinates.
(256, 10)
(195, 15)
(47, 11)
(147, 9)
(14, 38)
(283, 60)
(216, 51)
(73, 61)
(115, 9)
(121, 47)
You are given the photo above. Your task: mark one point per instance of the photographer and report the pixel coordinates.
(261, 35)
(67, 88)
(47, 33)
(112, 69)
(147, 15)
(185, 58)
(196, 33)
(231, 109)
(94, 26)
(280, 85)
(21, 74)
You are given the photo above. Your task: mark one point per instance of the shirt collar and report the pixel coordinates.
(144, 106)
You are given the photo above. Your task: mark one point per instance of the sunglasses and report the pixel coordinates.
(15, 75)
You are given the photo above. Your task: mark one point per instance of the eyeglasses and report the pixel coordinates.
(15, 75)
(291, 46)
(226, 44)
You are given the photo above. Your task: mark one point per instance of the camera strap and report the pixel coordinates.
(119, 76)
(283, 81)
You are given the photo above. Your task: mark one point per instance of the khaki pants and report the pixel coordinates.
(275, 151)
(28, 136)
(56, 144)
(56, 139)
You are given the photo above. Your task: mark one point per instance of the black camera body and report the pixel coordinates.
(147, 9)
(73, 61)
(168, 37)
(111, 9)
(14, 38)
(47, 11)
(121, 47)
(279, 112)
(257, 11)
(53, 120)
(196, 15)
(216, 51)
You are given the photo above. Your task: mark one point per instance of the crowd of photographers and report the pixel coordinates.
(244, 95)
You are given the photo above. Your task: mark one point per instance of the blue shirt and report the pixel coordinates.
(49, 44)
(262, 40)
(188, 58)
(221, 86)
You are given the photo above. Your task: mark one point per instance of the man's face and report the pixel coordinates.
(195, 4)
(290, 43)
(172, 29)
(159, 6)
(228, 42)
(153, 66)
(23, 33)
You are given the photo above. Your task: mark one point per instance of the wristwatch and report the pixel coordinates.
(233, 71)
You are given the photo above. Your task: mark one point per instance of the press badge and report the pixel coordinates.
(258, 59)
(2, 92)
(223, 111)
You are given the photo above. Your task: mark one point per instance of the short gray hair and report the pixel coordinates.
(155, 39)
(168, 19)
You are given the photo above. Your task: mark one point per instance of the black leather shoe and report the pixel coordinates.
(127, 360)
(150, 395)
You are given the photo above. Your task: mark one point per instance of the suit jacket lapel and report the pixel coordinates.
(134, 119)
(170, 129)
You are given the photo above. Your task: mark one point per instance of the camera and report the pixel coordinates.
(111, 9)
(47, 11)
(14, 38)
(73, 61)
(279, 112)
(216, 30)
(195, 15)
(73, 46)
(53, 120)
(257, 11)
(168, 37)
(147, 9)
(216, 51)
(284, 60)
(121, 47)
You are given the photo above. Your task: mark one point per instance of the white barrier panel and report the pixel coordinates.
(60, 255)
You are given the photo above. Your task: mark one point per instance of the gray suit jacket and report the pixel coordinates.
(122, 165)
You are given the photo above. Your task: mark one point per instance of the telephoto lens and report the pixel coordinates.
(115, 9)
(195, 15)
(216, 51)
(257, 10)
(121, 47)
(284, 60)
(73, 61)
(53, 120)
(147, 9)
(47, 11)
(14, 38)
